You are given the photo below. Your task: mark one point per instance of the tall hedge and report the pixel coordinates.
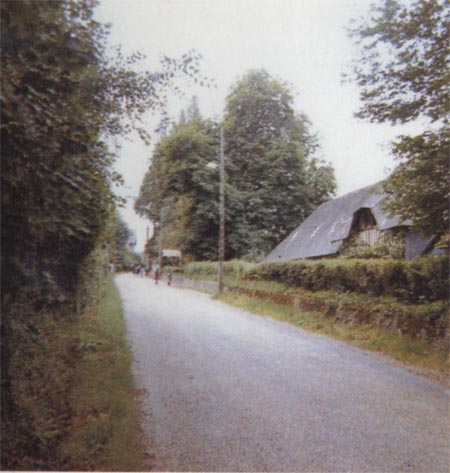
(421, 280)
(61, 97)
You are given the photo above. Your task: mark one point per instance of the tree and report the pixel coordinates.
(181, 189)
(402, 70)
(419, 186)
(119, 252)
(274, 181)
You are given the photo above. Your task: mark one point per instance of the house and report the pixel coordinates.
(352, 219)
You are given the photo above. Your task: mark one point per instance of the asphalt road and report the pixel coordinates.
(227, 390)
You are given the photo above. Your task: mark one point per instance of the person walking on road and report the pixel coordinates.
(156, 275)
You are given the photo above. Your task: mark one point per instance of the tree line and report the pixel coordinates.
(274, 178)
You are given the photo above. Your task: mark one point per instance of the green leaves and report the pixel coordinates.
(403, 64)
(61, 97)
(272, 176)
(183, 189)
(402, 70)
(273, 180)
(419, 185)
(421, 280)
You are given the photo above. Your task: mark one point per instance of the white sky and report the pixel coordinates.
(303, 42)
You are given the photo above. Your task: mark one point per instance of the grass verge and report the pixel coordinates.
(400, 347)
(105, 432)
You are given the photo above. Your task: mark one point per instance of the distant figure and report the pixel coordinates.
(169, 279)
(156, 275)
(147, 270)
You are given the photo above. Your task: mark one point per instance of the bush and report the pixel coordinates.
(421, 280)
(234, 268)
(395, 250)
(39, 363)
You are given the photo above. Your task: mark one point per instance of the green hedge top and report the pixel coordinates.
(420, 280)
(234, 268)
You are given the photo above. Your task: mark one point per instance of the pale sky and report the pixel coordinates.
(303, 42)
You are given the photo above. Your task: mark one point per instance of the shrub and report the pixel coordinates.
(421, 280)
(234, 268)
(380, 250)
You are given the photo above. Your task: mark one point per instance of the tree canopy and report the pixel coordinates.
(402, 70)
(181, 189)
(273, 179)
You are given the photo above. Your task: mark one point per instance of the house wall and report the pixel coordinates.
(381, 243)
(373, 236)
(370, 236)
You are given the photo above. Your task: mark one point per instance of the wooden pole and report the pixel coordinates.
(161, 230)
(221, 213)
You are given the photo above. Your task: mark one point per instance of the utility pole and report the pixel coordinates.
(160, 249)
(147, 248)
(221, 212)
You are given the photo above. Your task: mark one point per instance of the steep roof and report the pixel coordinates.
(324, 231)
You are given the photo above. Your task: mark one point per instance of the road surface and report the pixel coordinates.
(227, 390)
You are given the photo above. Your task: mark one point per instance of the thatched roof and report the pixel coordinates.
(324, 231)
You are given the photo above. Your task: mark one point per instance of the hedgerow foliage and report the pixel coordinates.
(420, 280)
(61, 97)
(234, 268)
(39, 364)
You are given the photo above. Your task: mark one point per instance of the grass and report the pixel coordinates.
(105, 433)
(400, 347)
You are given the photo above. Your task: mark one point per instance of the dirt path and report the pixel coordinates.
(231, 391)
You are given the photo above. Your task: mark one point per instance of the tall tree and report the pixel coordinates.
(402, 70)
(180, 189)
(274, 181)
